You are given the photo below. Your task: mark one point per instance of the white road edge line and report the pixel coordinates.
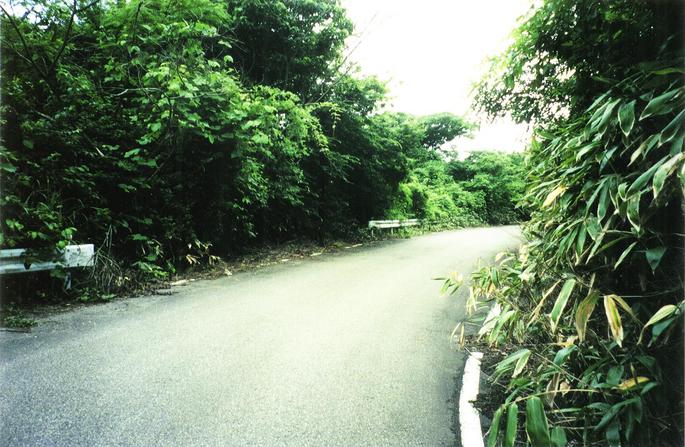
(469, 418)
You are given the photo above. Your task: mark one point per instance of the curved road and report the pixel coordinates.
(347, 349)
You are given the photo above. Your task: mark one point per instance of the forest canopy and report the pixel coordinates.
(163, 130)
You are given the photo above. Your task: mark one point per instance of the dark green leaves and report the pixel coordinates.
(493, 434)
(536, 423)
(626, 117)
(560, 302)
(558, 437)
(673, 128)
(654, 256)
(512, 425)
(659, 105)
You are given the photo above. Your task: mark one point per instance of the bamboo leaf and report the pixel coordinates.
(663, 172)
(644, 148)
(621, 302)
(661, 314)
(584, 311)
(561, 302)
(614, 319)
(558, 437)
(626, 117)
(512, 425)
(643, 179)
(658, 105)
(672, 128)
(632, 383)
(536, 423)
(601, 126)
(654, 256)
(633, 212)
(493, 433)
(625, 253)
(552, 196)
(521, 363)
(537, 309)
(603, 203)
(507, 363)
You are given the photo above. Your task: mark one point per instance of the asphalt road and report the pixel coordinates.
(347, 349)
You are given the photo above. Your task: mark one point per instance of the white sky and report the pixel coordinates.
(432, 51)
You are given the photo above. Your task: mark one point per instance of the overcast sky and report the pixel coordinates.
(432, 51)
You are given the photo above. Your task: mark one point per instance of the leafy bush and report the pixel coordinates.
(482, 189)
(591, 308)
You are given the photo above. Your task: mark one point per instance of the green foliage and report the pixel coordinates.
(605, 189)
(499, 178)
(292, 45)
(14, 318)
(566, 52)
(441, 128)
(482, 189)
(170, 132)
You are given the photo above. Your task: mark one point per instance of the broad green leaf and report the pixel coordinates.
(512, 425)
(614, 319)
(644, 148)
(601, 126)
(626, 117)
(593, 227)
(603, 203)
(501, 321)
(584, 312)
(661, 314)
(561, 302)
(658, 105)
(664, 171)
(563, 354)
(633, 211)
(536, 423)
(541, 302)
(613, 434)
(507, 363)
(521, 363)
(493, 433)
(654, 256)
(672, 128)
(643, 179)
(131, 153)
(558, 437)
(611, 413)
(625, 253)
(660, 327)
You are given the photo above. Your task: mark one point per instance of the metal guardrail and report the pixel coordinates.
(16, 261)
(392, 224)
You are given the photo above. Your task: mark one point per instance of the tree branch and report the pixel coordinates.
(28, 58)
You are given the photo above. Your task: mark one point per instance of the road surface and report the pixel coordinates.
(346, 349)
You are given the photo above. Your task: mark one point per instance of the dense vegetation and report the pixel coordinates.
(168, 132)
(592, 305)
